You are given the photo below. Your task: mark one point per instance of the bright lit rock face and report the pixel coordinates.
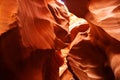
(36, 23)
(106, 15)
(41, 22)
(8, 10)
